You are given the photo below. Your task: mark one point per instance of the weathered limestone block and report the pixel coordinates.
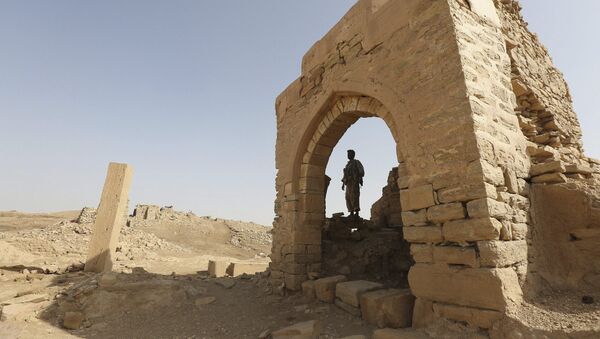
(398, 309)
(423, 314)
(501, 253)
(325, 287)
(577, 168)
(550, 178)
(547, 167)
(110, 217)
(467, 193)
(390, 307)
(350, 291)
(73, 320)
(305, 330)
(239, 268)
(308, 289)
(486, 207)
(511, 181)
(446, 212)
(217, 268)
(492, 174)
(489, 288)
(487, 10)
(421, 253)
(294, 282)
(472, 230)
(455, 255)
(417, 198)
(423, 234)
(473, 316)
(519, 231)
(414, 218)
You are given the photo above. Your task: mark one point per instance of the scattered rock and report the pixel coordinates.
(107, 279)
(586, 299)
(225, 282)
(304, 330)
(73, 320)
(205, 301)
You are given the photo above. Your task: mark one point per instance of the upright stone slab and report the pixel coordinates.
(109, 219)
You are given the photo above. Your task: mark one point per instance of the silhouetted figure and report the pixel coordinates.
(353, 179)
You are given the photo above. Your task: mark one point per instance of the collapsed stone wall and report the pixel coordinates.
(386, 211)
(361, 250)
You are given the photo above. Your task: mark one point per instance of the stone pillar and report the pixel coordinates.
(109, 219)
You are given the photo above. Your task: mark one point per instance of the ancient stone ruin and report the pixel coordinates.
(492, 194)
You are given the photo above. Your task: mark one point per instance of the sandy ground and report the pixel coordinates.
(160, 288)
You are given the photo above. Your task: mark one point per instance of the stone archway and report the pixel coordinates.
(311, 163)
(438, 73)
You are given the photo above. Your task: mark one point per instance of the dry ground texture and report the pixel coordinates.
(160, 287)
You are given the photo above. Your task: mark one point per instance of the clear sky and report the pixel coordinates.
(184, 91)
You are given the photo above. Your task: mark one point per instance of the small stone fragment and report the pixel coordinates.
(73, 320)
(305, 330)
(204, 301)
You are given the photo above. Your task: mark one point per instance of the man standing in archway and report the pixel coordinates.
(351, 182)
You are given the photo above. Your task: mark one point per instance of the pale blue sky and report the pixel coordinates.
(184, 91)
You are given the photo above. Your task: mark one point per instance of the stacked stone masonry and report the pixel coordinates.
(481, 119)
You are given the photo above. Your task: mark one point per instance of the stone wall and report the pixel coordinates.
(386, 211)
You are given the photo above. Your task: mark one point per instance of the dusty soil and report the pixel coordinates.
(160, 288)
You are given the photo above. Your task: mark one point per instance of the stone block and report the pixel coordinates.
(414, 218)
(550, 178)
(519, 231)
(423, 234)
(511, 181)
(350, 291)
(355, 311)
(398, 309)
(489, 288)
(581, 169)
(239, 268)
(466, 193)
(501, 253)
(487, 207)
(370, 305)
(73, 320)
(417, 198)
(304, 330)
(110, 218)
(217, 268)
(473, 316)
(423, 314)
(308, 289)
(445, 212)
(455, 255)
(492, 174)
(472, 230)
(421, 253)
(294, 282)
(325, 288)
(390, 307)
(547, 167)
